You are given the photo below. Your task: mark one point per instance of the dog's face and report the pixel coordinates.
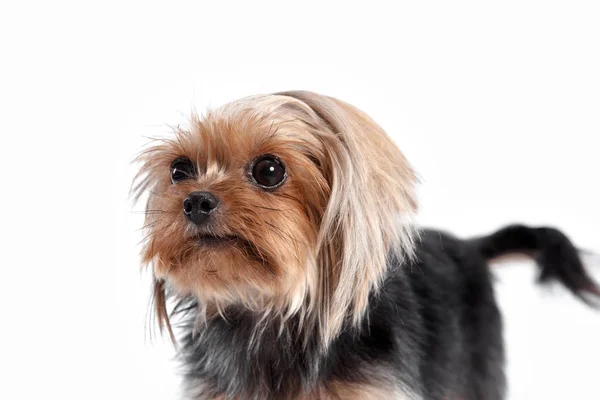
(282, 203)
(235, 207)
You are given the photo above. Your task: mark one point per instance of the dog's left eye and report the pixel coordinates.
(268, 172)
(182, 169)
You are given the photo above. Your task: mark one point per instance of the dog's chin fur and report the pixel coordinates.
(320, 287)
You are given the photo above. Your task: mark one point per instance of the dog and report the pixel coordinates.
(279, 229)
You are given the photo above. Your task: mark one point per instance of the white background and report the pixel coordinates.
(496, 105)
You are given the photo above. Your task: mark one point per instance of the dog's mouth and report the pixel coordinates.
(216, 241)
(229, 241)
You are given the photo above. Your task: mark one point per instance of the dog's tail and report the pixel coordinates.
(555, 254)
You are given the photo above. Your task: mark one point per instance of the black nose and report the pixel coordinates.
(198, 205)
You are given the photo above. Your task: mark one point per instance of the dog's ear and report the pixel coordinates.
(368, 215)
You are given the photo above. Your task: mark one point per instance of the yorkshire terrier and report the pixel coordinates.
(280, 236)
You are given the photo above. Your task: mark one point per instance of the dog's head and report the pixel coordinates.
(286, 204)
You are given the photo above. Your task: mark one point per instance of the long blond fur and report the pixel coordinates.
(369, 213)
(360, 215)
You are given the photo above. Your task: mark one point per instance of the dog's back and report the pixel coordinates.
(454, 319)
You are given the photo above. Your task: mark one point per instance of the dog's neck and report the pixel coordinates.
(238, 353)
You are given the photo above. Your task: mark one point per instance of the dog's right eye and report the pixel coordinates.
(182, 169)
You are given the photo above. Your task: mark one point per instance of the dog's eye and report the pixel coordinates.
(268, 172)
(182, 169)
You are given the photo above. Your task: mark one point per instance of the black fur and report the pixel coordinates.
(434, 328)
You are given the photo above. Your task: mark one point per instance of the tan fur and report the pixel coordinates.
(356, 391)
(511, 258)
(317, 245)
(349, 391)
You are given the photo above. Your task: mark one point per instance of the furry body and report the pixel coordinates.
(280, 225)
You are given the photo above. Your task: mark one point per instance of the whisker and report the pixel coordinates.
(271, 209)
(156, 194)
(150, 225)
(153, 212)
